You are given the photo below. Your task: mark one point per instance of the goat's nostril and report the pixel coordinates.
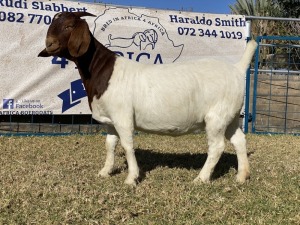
(52, 44)
(49, 44)
(50, 41)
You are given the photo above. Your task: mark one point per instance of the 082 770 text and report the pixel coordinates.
(22, 18)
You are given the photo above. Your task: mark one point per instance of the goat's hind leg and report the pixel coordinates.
(110, 144)
(215, 135)
(237, 138)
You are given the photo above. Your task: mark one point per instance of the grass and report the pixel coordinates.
(53, 180)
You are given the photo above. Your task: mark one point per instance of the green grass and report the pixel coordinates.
(53, 180)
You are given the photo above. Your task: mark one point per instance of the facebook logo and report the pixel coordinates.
(8, 103)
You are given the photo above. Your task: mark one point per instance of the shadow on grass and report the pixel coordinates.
(149, 159)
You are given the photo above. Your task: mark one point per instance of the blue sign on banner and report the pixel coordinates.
(71, 97)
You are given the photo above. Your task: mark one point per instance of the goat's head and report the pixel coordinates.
(68, 35)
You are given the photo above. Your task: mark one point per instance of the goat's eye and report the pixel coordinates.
(68, 27)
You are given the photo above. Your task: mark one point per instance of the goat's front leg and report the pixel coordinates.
(110, 144)
(126, 138)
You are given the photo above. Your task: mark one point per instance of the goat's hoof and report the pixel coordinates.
(242, 177)
(202, 178)
(131, 182)
(104, 173)
(198, 180)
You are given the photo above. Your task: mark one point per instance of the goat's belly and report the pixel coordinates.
(168, 126)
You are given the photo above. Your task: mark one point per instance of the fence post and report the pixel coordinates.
(247, 85)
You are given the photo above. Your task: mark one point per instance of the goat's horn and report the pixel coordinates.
(57, 15)
(80, 14)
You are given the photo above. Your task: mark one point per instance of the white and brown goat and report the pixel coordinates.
(172, 99)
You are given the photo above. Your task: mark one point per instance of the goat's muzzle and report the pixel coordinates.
(52, 47)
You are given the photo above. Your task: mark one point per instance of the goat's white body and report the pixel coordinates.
(175, 99)
(172, 98)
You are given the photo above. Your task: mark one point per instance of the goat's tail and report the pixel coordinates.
(245, 61)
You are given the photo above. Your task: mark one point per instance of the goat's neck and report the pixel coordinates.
(94, 61)
(95, 68)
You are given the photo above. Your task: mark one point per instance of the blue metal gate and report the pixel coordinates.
(275, 85)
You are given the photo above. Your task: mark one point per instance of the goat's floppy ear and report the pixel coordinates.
(43, 53)
(80, 39)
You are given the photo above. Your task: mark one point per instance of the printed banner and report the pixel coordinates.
(41, 86)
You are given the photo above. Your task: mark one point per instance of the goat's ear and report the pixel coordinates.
(43, 53)
(80, 39)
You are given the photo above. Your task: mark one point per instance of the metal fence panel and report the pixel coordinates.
(48, 125)
(276, 86)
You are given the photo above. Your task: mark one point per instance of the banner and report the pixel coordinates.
(41, 86)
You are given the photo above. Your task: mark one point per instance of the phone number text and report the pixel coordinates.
(188, 31)
(22, 18)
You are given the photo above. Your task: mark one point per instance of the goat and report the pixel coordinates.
(172, 99)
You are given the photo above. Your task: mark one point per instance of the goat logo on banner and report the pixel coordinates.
(142, 40)
(138, 37)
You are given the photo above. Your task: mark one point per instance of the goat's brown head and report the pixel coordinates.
(68, 35)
